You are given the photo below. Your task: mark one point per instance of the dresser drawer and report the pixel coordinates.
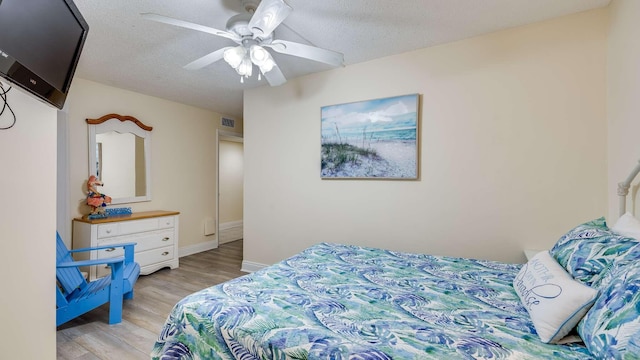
(128, 227)
(166, 222)
(111, 252)
(107, 230)
(155, 256)
(143, 258)
(137, 226)
(145, 241)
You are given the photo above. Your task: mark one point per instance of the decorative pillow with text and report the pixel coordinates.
(555, 301)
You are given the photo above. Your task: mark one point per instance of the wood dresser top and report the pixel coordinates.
(134, 216)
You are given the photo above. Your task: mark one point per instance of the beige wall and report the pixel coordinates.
(623, 96)
(513, 148)
(183, 153)
(231, 181)
(27, 230)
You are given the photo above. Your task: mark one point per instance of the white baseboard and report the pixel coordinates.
(248, 266)
(194, 249)
(231, 224)
(230, 231)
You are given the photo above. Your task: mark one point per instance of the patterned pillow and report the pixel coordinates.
(611, 329)
(589, 250)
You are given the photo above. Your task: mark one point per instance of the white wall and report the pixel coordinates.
(27, 230)
(231, 181)
(623, 94)
(513, 151)
(183, 154)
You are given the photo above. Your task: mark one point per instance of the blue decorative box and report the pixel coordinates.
(118, 211)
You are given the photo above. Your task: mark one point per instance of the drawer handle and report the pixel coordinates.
(108, 231)
(165, 253)
(110, 249)
(166, 239)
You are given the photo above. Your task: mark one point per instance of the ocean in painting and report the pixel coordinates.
(371, 139)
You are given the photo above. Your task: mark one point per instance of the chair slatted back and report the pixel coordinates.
(69, 278)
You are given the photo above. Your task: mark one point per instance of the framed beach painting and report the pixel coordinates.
(373, 139)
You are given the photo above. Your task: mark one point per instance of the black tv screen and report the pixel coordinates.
(40, 45)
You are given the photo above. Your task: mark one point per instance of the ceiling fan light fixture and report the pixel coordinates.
(235, 56)
(261, 58)
(267, 65)
(245, 68)
(258, 54)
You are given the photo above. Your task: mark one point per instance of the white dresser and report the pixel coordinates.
(154, 232)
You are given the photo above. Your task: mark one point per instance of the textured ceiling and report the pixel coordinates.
(129, 52)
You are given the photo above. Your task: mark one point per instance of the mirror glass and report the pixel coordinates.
(122, 155)
(119, 157)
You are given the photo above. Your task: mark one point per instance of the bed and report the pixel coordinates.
(580, 300)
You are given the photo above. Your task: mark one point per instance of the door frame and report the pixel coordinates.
(226, 136)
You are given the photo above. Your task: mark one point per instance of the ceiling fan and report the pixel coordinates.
(253, 32)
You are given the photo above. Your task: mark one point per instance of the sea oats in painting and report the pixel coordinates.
(371, 139)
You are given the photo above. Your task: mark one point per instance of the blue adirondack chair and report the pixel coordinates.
(75, 296)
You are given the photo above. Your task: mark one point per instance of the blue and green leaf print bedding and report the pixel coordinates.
(348, 302)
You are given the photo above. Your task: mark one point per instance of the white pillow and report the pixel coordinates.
(628, 226)
(555, 301)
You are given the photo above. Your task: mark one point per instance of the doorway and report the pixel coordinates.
(230, 187)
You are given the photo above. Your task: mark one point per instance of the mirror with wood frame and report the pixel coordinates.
(120, 156)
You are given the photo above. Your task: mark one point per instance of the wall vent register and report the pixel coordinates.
(226, 122)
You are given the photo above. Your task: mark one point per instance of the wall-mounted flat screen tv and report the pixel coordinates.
(40, 45)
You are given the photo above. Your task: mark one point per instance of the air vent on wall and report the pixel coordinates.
(226, 122)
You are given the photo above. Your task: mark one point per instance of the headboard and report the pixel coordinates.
(623, 189)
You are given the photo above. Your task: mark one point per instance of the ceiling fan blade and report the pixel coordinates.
(274, 76)
(308, 52)
(207, 59)
(190, 25)
(268, 15)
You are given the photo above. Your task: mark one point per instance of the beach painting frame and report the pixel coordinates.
(372, 139)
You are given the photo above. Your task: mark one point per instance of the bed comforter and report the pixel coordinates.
(347, 302)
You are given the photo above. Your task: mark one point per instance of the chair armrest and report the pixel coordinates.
(108, 261)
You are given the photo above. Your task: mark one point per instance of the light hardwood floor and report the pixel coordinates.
(91, 337)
